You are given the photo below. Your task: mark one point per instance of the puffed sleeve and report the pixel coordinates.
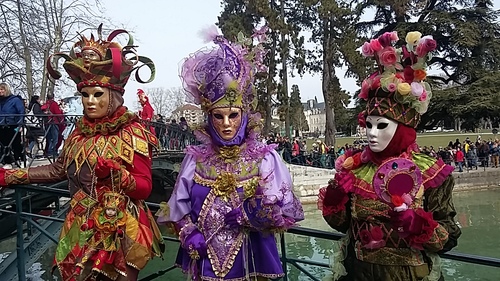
(439, 202)
(180, 201)
(277, 208)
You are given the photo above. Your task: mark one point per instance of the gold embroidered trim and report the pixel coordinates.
(224, 184)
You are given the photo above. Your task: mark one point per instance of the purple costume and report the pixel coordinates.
(240, 176)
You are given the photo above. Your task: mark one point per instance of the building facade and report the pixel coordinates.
(191, 112)
(315, 116)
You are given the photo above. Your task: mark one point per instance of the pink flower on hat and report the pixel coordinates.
(365, 87)
(425, 45)
(394, 36)
(375, 45)
(391, 87)
(386, 39)
(367, 50)
(388, 56)
(423, 96)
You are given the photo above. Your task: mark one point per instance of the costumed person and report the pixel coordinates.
(394, 204)
(107, 161)
(147, 111)
(233, 193)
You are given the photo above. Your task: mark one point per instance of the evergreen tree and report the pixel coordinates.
(297, 117)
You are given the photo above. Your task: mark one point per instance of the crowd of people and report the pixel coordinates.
(24, 124)
(465, 155)
(171, 134)
(468, 154)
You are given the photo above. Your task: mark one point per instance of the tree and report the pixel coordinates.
(31, 30)
(332, 28)
(467, 34)
(285, 46)
(297, 117)
(164, 101)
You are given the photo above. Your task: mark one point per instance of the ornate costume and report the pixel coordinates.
(394, 203)
(108, 231)
(147, 112)
(233, 192)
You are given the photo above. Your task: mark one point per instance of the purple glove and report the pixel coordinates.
(194, 242)
(263, 216)
(191, 238)
(407, 223)
(234, 218)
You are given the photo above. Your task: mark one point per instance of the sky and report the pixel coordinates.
(167, 31)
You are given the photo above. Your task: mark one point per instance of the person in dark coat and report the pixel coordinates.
(11, 116)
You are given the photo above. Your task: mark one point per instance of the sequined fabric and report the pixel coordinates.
(241, 253)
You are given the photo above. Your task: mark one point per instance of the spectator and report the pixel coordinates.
(10, 137)
(495, 153)
(459, 159)
(55, 126)
(33, 125)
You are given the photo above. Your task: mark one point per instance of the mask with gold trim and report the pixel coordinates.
(223, 77)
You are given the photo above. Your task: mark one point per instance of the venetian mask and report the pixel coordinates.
(89, 56)
(96, 101)
(379, 131)
(226, 121)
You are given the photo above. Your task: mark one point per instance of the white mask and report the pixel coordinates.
(379, 131)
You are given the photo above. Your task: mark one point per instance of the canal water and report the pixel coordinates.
(478, 215)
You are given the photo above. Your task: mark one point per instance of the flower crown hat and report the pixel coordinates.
(397, 90)
(111, 69)
(223, 76)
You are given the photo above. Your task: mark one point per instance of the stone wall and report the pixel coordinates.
(308, 180)
(479, 179)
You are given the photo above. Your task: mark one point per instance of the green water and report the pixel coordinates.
(478, 215)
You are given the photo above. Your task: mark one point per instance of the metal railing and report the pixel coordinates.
(23, 192)
(30, 132)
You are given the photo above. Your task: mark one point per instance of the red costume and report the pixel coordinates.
(109, 232)
(147, 111)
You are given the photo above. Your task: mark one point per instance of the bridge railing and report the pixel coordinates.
(28, 136)
(22, 193)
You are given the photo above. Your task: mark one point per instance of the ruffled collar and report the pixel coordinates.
(106, 125)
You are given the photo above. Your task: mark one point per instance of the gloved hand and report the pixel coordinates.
(234, 218)
(407, 222)
(195, 244)
(104, 166)
(3, 184)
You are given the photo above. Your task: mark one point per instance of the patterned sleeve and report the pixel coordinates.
(54, 172)
(277, 208)
(279, 187)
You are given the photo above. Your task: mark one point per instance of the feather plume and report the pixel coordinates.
(209, 33)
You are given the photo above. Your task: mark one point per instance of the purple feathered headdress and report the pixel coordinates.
(223, 76)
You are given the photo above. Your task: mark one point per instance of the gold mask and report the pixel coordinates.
(95, 101)
(226, 121)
